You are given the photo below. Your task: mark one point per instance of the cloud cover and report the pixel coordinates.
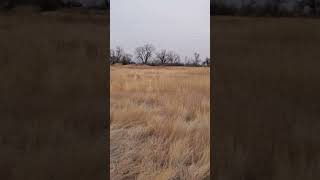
(179, 25)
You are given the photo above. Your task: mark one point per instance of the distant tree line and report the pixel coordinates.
(148, 55)
(50, 4)
(266, 8)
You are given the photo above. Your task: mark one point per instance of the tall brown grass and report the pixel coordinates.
(267, 102)
(160, 122)
(53, 95)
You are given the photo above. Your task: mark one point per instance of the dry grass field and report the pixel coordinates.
(53, 94)
(160, 122)
(267, 115)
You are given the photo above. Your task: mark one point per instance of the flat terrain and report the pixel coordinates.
(52, 94)
(267, 98)
(160, 122)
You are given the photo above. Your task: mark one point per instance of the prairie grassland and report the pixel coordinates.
(53, 95)
(267, 98)
(160, 122)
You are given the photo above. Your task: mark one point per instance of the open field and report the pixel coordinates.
(160, 122)
(267, 98)
(53, 94)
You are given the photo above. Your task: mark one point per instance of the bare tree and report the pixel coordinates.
(126, 59)
(173, 58)
(113, 58)
(196, 59)
(206, 62)
(162, 56)
(188, 61)
(144, 53)
(116, 55)
(119, 53)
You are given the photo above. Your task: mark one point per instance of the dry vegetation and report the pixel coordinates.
(267, 98)
(160, 122)
(52, 94)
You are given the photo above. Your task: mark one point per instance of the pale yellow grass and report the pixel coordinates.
(160, 122)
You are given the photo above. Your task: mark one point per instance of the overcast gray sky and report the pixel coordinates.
(179, 25)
